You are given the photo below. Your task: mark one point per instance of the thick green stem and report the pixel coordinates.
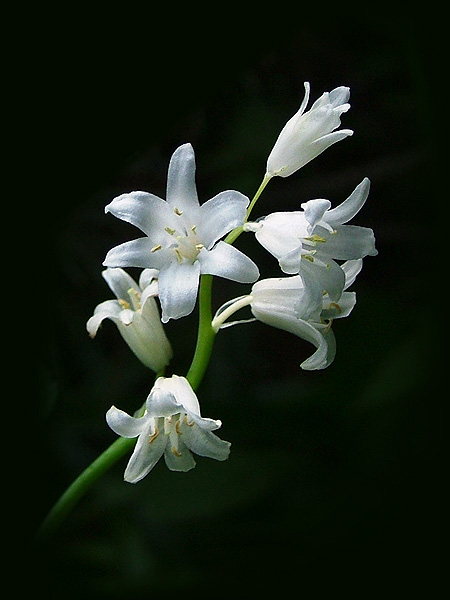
(206, 334)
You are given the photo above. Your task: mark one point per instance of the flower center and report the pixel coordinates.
(184, 243)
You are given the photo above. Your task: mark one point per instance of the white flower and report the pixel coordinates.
(181, 236)
(308, 242)
(171, 425)
(278, 302)
(308, 134)
(136, 315)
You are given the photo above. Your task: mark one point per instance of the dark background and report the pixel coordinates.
(338, 467)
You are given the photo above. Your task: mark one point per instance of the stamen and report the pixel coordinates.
(315, 238)
(179, 255)
(177, 211)
(336, 306)
(199, 246)
(154, 435)
(156, 248)
(177, 427)
(169, 230)
(188, 423)
(124, 304)
(176, 452)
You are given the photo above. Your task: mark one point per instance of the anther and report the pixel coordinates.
(169, 230)
(177, 211)
(177, 427)
(176, 452)
(156, 248)
(154, 435)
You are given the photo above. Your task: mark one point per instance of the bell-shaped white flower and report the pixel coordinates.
(309, 242)
(278, 302)
(171, 426)
(308, 134)
(181, 236)
(136, 315)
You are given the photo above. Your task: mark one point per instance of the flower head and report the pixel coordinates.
(309, 242)
(278, 302)
(136, 315)
(171, 425)
(308, 134)
(181, 236)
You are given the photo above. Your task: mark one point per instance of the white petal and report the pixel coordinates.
(351, 269)
(181, 189)
(314, 211)
(204, 443)
(180, 388)
(228, 262)
(280, 232)
(110, 309)
(146, 454)
(220, 215)
(125, 425)
(351, 206)
(349, 242)
(178, 285)
(136, 253)
(143, 210)
(324, 142)
(147, 277)
(119, 282)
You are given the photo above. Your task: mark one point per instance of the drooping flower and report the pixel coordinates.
(136, 315)
(310, 241)
(171, 426)
(278, 302)
(181, 236)
(308, 134)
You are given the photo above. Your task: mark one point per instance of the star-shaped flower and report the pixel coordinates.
(181, 236)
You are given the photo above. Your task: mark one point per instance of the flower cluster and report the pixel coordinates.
(319, 254)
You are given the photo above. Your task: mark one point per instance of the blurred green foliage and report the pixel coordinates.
(341, 462)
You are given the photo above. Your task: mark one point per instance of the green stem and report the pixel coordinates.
(233, 235)
(206, 334)
(82, 483)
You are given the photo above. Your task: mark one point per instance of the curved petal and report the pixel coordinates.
(178, 285)
(181, 189)
(125, 425)
(147, 452)
(351, 206)
(220, 215)
(228, 262)
(119, 282)
(280, 232)
(302, 329)
(143, 210)
(315, 210)
(136, 253)
(323, 278)
(348, 242)
(204, 443)
(182, 391)
(324, 142)
(351, 269)
(110, 309)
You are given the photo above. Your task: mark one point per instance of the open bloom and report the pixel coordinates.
(136, 315)
(171, 425)
(308, 242)
(308, 134)
(278, 301)
(181, 237)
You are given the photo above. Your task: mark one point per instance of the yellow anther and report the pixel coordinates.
(336, 306)
(315, 238)
(152, 438)
(176, 452)
(179, 255)
(169, 230)
(308, 257)
(199, 246)
(188, 423)
(123, 303)
(177, 427)
(156, 248)
(177, 211)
